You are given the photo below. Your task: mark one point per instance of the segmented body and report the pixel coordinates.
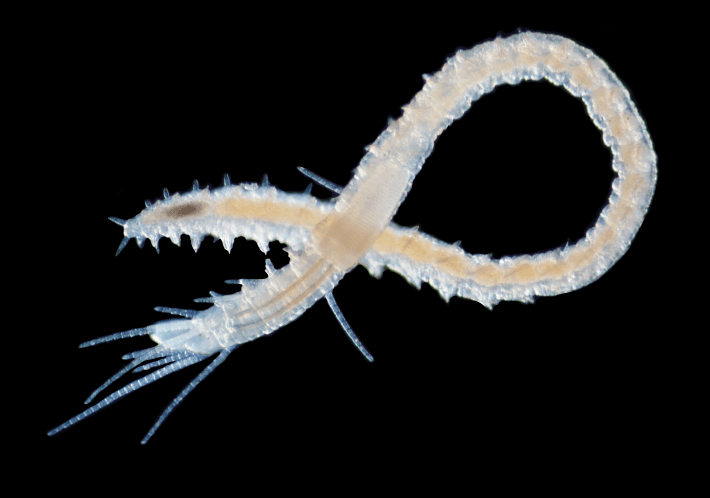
(327, 240)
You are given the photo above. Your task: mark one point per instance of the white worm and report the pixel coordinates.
(327, 240)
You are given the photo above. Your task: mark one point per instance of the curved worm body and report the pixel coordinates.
(327, 239)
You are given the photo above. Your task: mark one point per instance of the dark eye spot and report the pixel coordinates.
(184, 210)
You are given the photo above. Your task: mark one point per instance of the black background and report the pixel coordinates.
(128, 105)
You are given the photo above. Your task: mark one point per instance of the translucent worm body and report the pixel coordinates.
(327, 240)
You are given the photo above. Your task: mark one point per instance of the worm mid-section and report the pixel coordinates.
(327, 239)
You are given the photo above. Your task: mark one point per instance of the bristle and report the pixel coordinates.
(214, 296)
(196, 240)
(154, 241)
(117, 221)
(227, 242)
(122, 245)
(248, 281)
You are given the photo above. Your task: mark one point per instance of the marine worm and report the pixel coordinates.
(327, 239)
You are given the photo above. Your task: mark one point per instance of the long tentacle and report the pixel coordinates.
(163, 361)
(132, 387)
(346, 326)
(178, 399)
(146, 355)
(116, 336)
(336, 189)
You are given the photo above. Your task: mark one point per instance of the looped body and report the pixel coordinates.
(326, 240)
(400, 151)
